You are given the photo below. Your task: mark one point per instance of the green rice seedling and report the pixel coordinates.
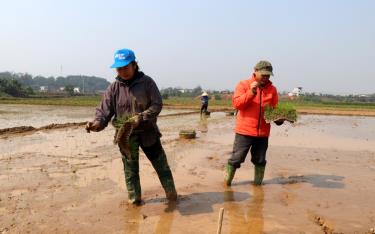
(283, 111)
(187, 134)
(124, 127)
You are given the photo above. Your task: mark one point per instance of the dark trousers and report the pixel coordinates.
(204, 107)
(155, 153)
(242, 144)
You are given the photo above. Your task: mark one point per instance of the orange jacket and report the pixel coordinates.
(250, 116)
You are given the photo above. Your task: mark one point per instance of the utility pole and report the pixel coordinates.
(83, 84)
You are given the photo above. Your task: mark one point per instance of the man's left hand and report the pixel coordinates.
(279, 122)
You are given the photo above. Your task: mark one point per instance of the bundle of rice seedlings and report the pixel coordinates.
(124, 127)
(187, 134)
(283, 111)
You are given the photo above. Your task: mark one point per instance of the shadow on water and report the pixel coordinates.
(320, 181)
(202, 203)
(242, 217)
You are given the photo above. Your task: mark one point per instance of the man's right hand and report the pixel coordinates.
(92, 126)
(254, 86)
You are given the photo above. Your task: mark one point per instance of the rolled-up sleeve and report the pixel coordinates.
(242, 96)
(105, 111)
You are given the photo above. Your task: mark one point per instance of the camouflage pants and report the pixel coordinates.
(158, 158)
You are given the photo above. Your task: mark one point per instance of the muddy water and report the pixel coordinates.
(321, 168)
(41, 115)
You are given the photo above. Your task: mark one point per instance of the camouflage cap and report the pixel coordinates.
(264, 67)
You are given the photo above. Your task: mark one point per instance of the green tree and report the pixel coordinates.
(217, 97)
(69, 89)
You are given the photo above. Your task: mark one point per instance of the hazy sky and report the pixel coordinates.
(322, 45)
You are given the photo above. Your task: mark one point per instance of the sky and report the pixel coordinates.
(324, 46)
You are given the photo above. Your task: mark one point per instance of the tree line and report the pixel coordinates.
(23, 84)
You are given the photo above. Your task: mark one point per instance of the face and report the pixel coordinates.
(126, 72)
(262, 79)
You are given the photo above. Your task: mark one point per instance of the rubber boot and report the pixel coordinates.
(133, 185)
(229, 174)
(161, 167)
(259, 174)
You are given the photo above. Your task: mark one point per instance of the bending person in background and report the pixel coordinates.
(204, 100)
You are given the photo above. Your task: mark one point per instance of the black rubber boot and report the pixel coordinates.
(161, 167)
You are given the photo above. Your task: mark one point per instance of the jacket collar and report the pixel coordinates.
(136, 79)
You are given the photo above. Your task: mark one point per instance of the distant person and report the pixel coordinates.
(252, 132)
(133, 91)
(204, 101)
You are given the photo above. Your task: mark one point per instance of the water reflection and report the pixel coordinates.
(166, 219)
(203, 124)
(245, 217)
(133, 218)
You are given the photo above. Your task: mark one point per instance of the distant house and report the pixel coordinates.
(364, 95)
(43, 89)
(295, 92)
(76, 90)
(185, 90)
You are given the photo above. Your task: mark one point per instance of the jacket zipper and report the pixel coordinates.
(260, 109)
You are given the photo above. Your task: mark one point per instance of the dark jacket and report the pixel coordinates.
(140, 96)
(204, 100)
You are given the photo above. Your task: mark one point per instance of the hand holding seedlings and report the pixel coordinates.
(279, 122)
(253, 87)
(137, 120)
(92, 126)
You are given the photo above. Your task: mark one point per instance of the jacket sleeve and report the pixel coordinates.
(242, 96)
(275, 98)
(156, 102)
(105, 111)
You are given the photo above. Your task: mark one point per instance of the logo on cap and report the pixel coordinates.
(120, 56)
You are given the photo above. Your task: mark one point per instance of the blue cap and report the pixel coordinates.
(123, 57)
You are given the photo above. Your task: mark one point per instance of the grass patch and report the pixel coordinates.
(184, 102)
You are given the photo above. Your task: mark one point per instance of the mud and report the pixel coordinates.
(15, 115)
(319, 179)
(36, 115)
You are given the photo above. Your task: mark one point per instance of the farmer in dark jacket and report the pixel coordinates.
(134, 93)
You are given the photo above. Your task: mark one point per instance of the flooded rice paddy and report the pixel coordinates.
(320, 177)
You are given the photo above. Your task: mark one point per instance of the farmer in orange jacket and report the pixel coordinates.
(250, 99)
